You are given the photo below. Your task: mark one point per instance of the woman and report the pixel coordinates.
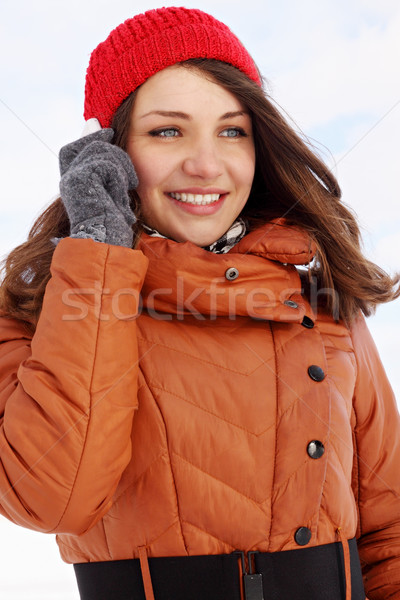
(191, 398)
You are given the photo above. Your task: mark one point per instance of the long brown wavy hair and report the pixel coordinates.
(291, 181)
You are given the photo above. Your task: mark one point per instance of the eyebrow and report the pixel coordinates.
(237, 113)
(167, 113)
(181, 115)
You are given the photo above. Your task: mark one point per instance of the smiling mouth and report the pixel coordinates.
(196, 199)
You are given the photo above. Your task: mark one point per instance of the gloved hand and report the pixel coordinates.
(95, 179)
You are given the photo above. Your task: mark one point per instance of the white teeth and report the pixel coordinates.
(199, 199)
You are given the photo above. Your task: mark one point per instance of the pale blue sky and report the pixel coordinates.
(331, 64)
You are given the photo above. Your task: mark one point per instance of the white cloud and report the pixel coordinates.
(387, 252)
(368, 173)
(343, 75)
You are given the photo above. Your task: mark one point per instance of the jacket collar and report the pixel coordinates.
(257, 278)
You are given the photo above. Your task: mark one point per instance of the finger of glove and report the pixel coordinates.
(123, 204)
(104, 170)
(106, 153)
(94, 190)
(84, 196)
(115, 183)
(70, 151)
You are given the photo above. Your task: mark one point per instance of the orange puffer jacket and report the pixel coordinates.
(218, 419)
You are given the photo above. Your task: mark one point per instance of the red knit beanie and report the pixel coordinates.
(150, 42)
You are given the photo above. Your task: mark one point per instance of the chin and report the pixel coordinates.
(198, 239)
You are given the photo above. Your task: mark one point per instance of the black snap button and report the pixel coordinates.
(307, 322)
(316, 373)
(231, 274)
(302, 536)
(315, 449)
(291, 304)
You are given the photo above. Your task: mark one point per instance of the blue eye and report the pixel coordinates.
(233, 132)
(166, 132)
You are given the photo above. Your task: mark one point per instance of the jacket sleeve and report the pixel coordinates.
(68, 396)
(377, 463)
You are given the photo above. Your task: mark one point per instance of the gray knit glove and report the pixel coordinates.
(95, 179)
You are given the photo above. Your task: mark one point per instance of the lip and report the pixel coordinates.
(199, 209)
(199, 190)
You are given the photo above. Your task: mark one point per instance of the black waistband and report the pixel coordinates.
(315, 573)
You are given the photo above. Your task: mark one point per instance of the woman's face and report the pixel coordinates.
(191, 143)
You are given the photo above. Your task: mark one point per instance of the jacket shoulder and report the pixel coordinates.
(13, 329)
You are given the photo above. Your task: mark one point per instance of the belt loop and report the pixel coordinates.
(242, 572)
(346, 558)
(144, 566)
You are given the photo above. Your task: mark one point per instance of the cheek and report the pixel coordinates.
(146, 174)
(149, 171)
(247, 168)
(151, 168)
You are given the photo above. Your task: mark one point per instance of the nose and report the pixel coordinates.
(203, 160)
